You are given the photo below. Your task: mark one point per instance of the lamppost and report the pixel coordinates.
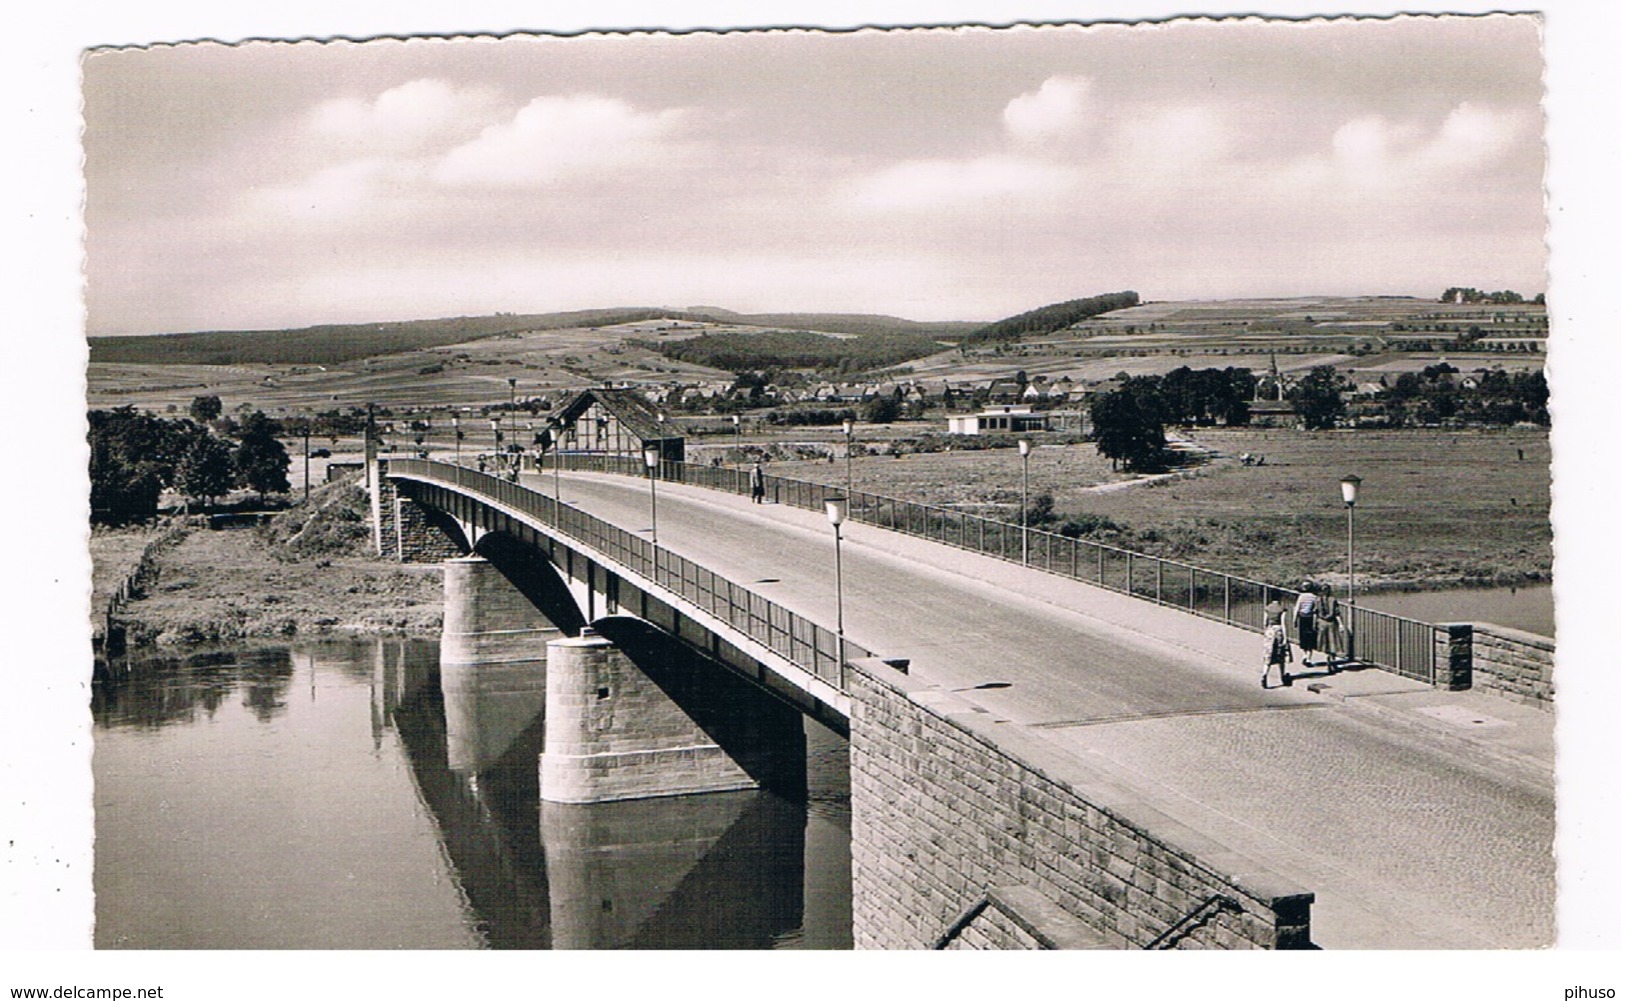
(846, 429)
(456, 440)
(307, 456)
(556, 435)
(737, 446)
(835, 509)
(1351, 493)
(496, 441)
(513, 389)
(651, 460)
(1025, 447)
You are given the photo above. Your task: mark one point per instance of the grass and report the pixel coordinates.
(1436, 507)
(310, 571)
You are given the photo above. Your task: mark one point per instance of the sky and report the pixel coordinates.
(943, 173)
(180, 149)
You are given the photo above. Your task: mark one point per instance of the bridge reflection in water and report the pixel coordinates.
(729, 870)
(724, 870)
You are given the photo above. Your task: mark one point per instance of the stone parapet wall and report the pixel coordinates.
(1513, 664)
(948, 805)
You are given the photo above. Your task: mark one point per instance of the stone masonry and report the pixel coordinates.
(1513, 664)
(948, 805)
(613, 734)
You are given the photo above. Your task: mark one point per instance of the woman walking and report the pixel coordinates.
(1303, 612)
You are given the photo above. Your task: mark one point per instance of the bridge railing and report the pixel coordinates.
(1403, 646)
(812, 647)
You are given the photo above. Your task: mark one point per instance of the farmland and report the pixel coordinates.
(1437, 508)
(1441, 506)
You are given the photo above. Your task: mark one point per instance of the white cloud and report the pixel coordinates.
(406, 116)
(933, 184)
(333, 193)
(556, 136)
(1473, 134)
(1055, 108)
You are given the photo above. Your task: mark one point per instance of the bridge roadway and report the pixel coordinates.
(1415, 826)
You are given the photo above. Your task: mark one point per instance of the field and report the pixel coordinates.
(1437, 508)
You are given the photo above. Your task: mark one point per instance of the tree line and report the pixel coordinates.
(135, 456)
(1130, 418)
(1056, 316)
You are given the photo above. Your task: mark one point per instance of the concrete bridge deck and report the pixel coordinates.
(1420, 818)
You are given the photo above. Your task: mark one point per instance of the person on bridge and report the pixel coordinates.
(1329, 630)
(1304, 614)
(1277, 654)
(758, 483)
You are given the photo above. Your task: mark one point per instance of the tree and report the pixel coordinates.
(882, 410)
(205, 471)
(1318, 399)
(260, 460)
(1127, 429)
(205, 408)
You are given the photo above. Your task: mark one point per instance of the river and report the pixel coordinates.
(302, 796)
(1528, 607)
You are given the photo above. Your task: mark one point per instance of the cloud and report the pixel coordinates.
(1473, 134)
(556, 136)
(333, 193)
(407, 116)
(932, 184)
(1055, 108)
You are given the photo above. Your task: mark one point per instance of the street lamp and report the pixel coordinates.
(1025, 447)
(307, 457)
(846, 429)
(1351, 493)
(835, 509)
(513, 389)
(737, 451)
(651, 459)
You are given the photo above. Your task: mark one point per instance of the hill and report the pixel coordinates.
(330, 344)
(1056, 316)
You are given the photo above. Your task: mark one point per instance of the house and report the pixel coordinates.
(615, 422)
(1004, 419)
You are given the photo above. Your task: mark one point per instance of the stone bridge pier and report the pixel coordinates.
(627, 710)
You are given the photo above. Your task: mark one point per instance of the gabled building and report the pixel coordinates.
(615, 422)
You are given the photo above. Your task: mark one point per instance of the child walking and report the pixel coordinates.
(1277, 654)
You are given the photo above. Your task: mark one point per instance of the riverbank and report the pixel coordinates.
(306, 573)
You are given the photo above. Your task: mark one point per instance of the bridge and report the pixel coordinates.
(1037, 760)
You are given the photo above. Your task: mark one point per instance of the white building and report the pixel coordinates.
(1003, 419)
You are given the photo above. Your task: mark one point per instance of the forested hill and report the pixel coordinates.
(331, 344)
(1056, 316)
(334, 343)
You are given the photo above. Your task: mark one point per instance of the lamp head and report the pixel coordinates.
(496, 424)
(846, 427)
(1024, 446)
(651, 456)
(835, 509)
(1351, 489)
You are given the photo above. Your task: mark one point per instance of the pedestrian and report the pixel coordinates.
(1329, 630)
(1277, 654)
(1303, 611)
(758, 484)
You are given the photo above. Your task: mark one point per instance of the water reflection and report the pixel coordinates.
(315, 797)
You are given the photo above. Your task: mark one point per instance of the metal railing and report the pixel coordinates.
(809, 646)
(1403, 646)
